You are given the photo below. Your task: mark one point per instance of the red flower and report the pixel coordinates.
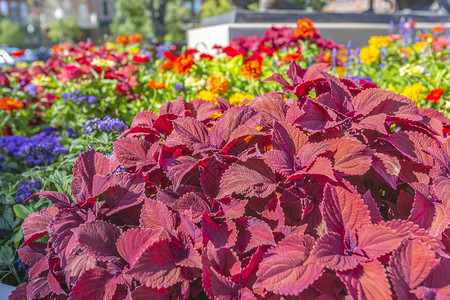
(435, 95)
(267, 50)
(140, 59)
(206, 56)
(191, 51)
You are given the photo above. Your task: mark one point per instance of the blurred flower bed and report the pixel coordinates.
(86, 95)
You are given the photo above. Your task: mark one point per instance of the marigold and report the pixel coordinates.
(217, 84)
(438, 29)
(10, 104)
(406, 51)
(251, 69)
(412, 92)
(122, 40)
(135, 38)
(326, 58)
(207, 96)
(183, 64)
(419, 46)
(295, 56)
(157, 85)
(167, 65)
(379, 41)
(237, 98)
(305, 28)
(369, 54)
(435, 95)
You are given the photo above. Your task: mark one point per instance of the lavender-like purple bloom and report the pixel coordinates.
(40, 149)
(108, 124)
(161, 49)
(26, 189)
(78, 97)
(179, 87)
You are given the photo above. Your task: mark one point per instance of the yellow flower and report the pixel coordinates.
(369, 55)
(237, 98)
(22, 65)
(194, 83)
(110, 46)
(38, 63)
(412, 92)
(217, 83)
(207, 96)
(408, 69)
(215, 115)
(133, 50)
(419, 46)
(104, 63)
(379, 41)
(40, 80)
(406, 51)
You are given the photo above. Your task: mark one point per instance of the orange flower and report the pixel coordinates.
(326, 58)
(424, 36)
(435, 95)
(157, 85)
(305, 28)
(251, 69)
(296, 56)
(438, 29)
(183, 64)
(122, 40)
(57, 48)
(217, 84)
(135, 38)
(167, 65)
(406, 51)
(9, 104)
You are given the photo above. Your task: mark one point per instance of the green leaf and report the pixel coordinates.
(21, 211)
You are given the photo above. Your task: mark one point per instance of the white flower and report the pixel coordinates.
(104, 63)
(194, 83)
(408, 69)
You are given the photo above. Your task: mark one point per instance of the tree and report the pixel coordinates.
(11, 34)
(158, 18)
(211, 8)
(69, 30)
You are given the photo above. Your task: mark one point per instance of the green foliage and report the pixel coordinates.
(314, 4)
(66, 30)
(131, 17)
(211, 8)
(11, 33)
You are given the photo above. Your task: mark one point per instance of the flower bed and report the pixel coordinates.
(86, 97)
(340, 193)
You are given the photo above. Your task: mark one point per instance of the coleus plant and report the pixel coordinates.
(338, 192)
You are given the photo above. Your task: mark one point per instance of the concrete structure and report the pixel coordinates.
(340, 27)
(359, 6)
(5, 290)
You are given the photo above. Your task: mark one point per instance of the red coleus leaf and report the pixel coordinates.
(88, 165)
(283, 269)
(194, 203)
(201, 110)
(135, 153)
(98, 239)
(176, 107)
(367, 281)
(59, 199)
(155, 215)
(133, 242)
(351, 157)
(92, 284)
(314, 118)
(410, 265)
(344, 207)
(36, 225)
(210, 176)
(250, 178)
(144, 293)
(157, 267)
(252, 233)
(271, 107)
(125, 191)
(288, 139)
(388, 166)
(193, 133)
(222, 234)
(412, 144)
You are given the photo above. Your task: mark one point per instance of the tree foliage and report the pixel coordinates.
(211, 8)
(66, 30)
(11, 33)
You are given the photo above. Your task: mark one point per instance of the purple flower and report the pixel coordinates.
(108, 124)
(26, 189)
(179, 87)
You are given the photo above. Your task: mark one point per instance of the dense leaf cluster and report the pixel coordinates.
(339, 191)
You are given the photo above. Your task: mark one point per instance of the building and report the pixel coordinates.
(359, 6)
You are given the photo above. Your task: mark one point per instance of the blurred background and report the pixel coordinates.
(36, 25)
